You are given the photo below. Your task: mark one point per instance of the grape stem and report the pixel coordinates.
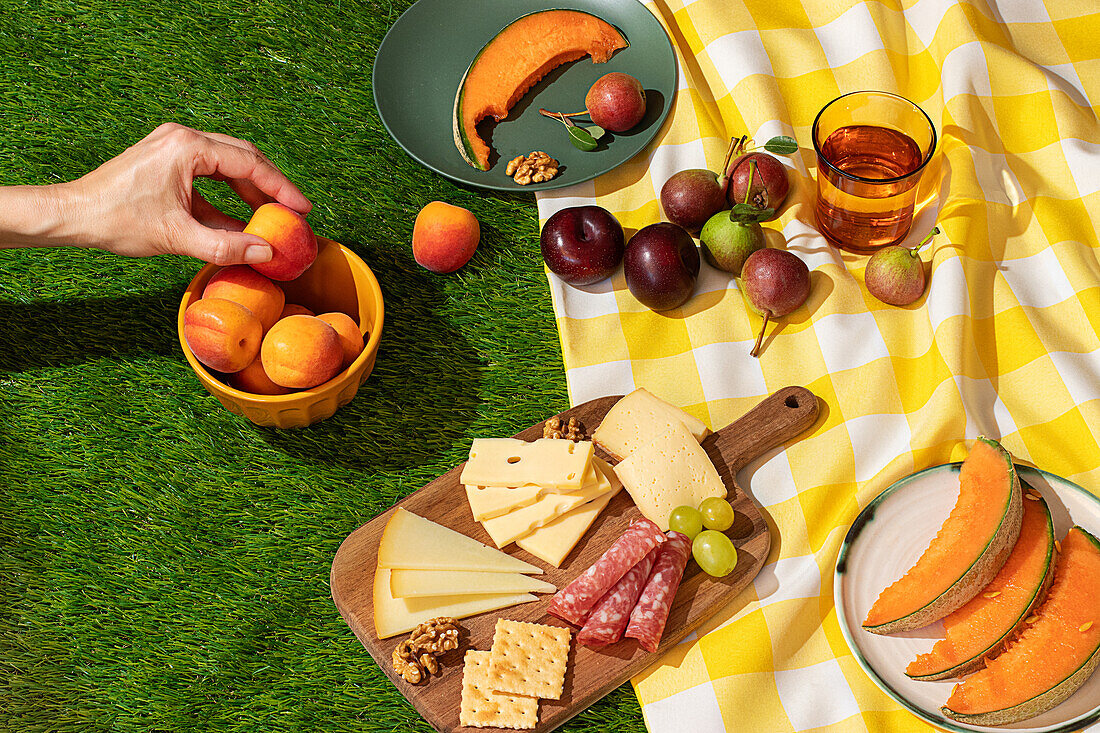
(760, 337)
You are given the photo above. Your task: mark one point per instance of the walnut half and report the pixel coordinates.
(415, 658)
(535, 167)
(555, 428)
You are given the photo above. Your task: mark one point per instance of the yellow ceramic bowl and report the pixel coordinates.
(337, 281)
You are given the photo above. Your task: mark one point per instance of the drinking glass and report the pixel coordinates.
(871, 150)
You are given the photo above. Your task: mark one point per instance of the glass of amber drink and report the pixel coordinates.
(871, 150)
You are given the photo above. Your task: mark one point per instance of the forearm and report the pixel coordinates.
(40, 216)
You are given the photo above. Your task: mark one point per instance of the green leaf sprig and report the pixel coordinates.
(583, 138)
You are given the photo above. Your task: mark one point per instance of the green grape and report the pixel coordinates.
(714, 552)
(717, 514)
(686, 520)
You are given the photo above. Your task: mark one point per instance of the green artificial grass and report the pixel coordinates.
(163, 563)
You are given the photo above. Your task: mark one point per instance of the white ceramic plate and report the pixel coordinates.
(885, 541)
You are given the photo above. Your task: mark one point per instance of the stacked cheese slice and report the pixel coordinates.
(426, 570)
(661, 463)
(542, 495)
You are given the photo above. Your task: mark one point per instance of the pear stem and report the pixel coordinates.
(926, 240)
(760, 337)
(724, 178)
(748, 186)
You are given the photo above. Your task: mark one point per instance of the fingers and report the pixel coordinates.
(220, 246)
(242, 161)
(211, 216)
(248, 192)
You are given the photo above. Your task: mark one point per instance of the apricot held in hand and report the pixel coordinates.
(616, 102)
(301, 352)
(445, 237)
(223, 335)
(293, 245)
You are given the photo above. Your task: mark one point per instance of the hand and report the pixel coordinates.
(142, 202)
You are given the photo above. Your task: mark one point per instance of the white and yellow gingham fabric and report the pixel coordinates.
(1005, 344)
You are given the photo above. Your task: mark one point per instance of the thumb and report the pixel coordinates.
(223, 247)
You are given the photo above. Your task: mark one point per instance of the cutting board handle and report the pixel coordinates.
(777, 419)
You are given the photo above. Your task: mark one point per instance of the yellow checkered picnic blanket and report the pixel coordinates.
(1005, 344)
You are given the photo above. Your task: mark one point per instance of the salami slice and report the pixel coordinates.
(608, 618)
(647, 620)
(573, 602)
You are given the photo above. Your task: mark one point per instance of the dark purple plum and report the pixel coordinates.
(582, 244)
(661, 264)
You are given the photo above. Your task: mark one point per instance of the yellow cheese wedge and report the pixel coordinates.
(506, 528)
(400, 615)
(487, 502)
(415, 543)
(669, 470)
(415, 583)
(553, 541)
(636, 418)
(558, 464)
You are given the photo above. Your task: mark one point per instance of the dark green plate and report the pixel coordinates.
(426, 52)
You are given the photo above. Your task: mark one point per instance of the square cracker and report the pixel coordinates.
(484, 708)
(529, 659)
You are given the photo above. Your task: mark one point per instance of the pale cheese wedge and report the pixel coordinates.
(415, 543)
(668, 471)
(487, 502)
(415, 583)
(553, 541)
(506, 528)
(558, 464)
(638, 416)
(394, 616)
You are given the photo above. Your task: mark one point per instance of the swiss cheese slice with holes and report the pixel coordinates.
(416, 583)
(636, 417)
(671, 469)
(552, 464)
(415, 543)
(506, 528)
(487, 502)
(400, 615)
(553, 541)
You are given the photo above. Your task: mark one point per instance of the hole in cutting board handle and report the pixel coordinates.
(791, 401)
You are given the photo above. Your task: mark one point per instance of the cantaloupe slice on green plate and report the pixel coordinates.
(983, 626)
(523, 52)
(969, 550)
(1052, 657)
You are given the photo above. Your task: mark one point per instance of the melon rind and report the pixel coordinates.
(1040, 703)
(973, 664)
(457, 129)
(981, 571)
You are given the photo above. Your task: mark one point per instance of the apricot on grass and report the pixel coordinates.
(293, 309)
(444, 237)
(242, 284)
(223, 335)
(254, 379)
(301, 352)
(293, 244)
(351, 338)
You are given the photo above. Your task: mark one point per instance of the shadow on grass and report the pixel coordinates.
(421, 396)
(52, 333)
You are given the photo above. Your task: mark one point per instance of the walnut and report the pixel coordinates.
(535, 167)
(415, 658)
(555, 428)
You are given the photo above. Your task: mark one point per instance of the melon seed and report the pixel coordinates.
(1031, 619)
(1085, 627)
(1033, 497)
(1057, 545)
(991, 594)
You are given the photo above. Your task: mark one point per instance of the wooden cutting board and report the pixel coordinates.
(591, 674)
